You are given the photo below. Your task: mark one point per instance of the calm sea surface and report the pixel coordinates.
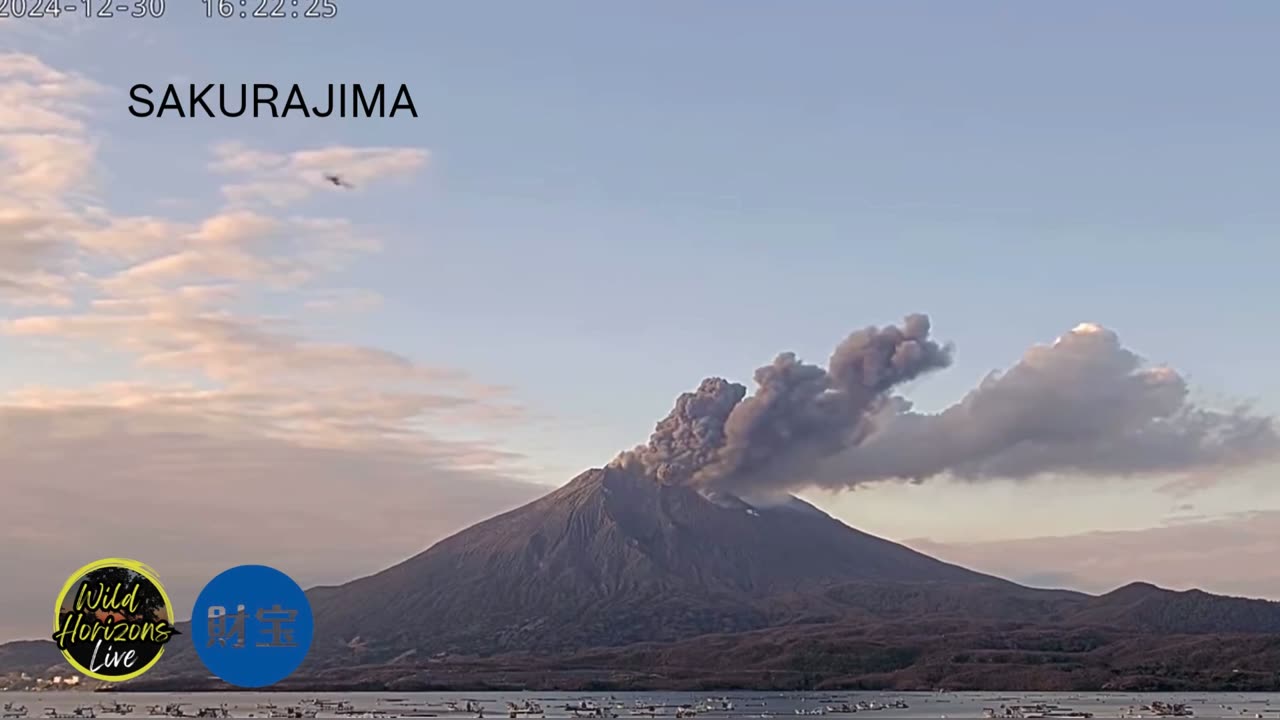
(635, 705)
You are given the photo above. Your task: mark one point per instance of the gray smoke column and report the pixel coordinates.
(1083, 406)
(798, 415)
(691, 436)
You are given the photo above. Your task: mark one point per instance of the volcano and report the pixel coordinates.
(660, 546)
(613, 558)
(636, 584)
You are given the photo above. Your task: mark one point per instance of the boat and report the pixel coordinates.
(293, 712)
(1163, 709)
(1037, 710)
(528, 707)
(84, 711)
(713, 705)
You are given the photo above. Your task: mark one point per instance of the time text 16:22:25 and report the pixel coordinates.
(270, 8)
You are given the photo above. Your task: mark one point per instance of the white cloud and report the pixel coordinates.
(230, 436)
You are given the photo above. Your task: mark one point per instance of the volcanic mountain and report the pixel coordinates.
(619, 579)
(614, 558)
(656, 568)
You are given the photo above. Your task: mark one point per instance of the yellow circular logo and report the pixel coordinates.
(112, 619)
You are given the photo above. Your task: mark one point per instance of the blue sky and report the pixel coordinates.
(624, 177)
(619, 200)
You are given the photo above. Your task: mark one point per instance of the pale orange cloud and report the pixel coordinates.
(231, 435)
(45, 154)
(191, 487)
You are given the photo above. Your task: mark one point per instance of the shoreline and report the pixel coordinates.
(708, 685)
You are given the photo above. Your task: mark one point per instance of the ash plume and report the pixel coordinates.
(798, 415)
(1084, 405)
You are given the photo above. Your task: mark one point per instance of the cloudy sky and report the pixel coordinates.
(210, 357)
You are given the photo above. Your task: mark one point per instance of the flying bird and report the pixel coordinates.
(337, 181)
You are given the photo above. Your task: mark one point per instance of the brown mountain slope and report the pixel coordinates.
(613, 558)
(922, 656)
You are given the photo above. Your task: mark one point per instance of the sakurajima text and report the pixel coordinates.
(264, 100)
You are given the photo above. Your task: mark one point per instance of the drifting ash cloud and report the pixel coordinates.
(1084, 405)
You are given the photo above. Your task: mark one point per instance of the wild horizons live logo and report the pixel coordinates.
(113, 619)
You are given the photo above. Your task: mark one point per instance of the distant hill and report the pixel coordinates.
(34, 657)
(1145, 607)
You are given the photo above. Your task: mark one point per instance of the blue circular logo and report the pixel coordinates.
(252, 626)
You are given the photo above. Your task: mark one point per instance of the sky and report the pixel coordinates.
(213, 357)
